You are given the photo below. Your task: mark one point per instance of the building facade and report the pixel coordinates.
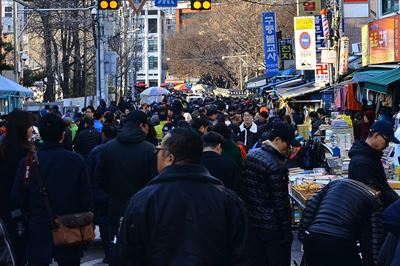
(152, 28)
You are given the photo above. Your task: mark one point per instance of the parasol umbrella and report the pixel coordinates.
(164, 85)
(141, 85)
(153, 94)
(181, 87)
(198, 88)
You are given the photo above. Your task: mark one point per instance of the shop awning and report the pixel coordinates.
(366, 75)
(383, 82)
(301, 90)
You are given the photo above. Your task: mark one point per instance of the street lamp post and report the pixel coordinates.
(242, 61)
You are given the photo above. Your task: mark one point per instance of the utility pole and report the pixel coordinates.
(337, 21)
(16, 46)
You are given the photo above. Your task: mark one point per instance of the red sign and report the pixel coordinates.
(322, 73)
(322, 69)
(384, 45)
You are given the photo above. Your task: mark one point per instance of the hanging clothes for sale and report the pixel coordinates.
(340, 100)
(352, 103)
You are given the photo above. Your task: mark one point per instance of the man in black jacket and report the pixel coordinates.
(87, 139)
(222, 168)
(345, 212)
(184, 216)
(125, 165)
(265, 192)
(366, 166)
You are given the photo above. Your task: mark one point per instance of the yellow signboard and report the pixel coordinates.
(304, 23)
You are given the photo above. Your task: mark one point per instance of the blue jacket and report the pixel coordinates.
(98, 125)
(65, 177)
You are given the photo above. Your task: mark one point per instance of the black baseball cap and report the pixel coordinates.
(285, 132)
(384, 128)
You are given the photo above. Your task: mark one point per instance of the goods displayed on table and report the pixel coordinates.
(304, 184)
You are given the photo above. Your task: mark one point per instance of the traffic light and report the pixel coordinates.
(200, 4)
(108, 4)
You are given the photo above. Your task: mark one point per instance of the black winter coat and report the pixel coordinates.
(8, 169)
(264, 189)
(184, 216)
(126, 164)
(222, 168)
(67, 183)
(366, 167)
(86, 140)
(346, 209)
(6, 253)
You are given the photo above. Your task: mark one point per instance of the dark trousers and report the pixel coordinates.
(269, 251)
(326, 250)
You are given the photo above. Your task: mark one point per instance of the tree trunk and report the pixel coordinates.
(49, 95)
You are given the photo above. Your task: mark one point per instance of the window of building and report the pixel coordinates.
(389, 6)
(153, 62)
(152, 45)
(139, 63)
(143, 12)
(8, 12)
(153, 83)
(152, 12)
(139, 46)
(152, 25)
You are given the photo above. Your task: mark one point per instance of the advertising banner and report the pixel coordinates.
(270, 44)
(305, 43)
(344, 55)
(308, 7)
(365, 45)
(286, 49)
(381, 41)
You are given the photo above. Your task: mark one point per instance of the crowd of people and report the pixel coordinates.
(186, 183)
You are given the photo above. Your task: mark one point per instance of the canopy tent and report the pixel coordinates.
(382, 82)
(301, 90)
(12, 88)
(198, 88)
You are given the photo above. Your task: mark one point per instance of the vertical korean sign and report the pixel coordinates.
(286, 49)
(306, 57)
(270, 44)
(365, 45)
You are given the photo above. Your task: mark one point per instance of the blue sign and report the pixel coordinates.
(319, 34)
(270, 44)
(166, 3)
(305, 40)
